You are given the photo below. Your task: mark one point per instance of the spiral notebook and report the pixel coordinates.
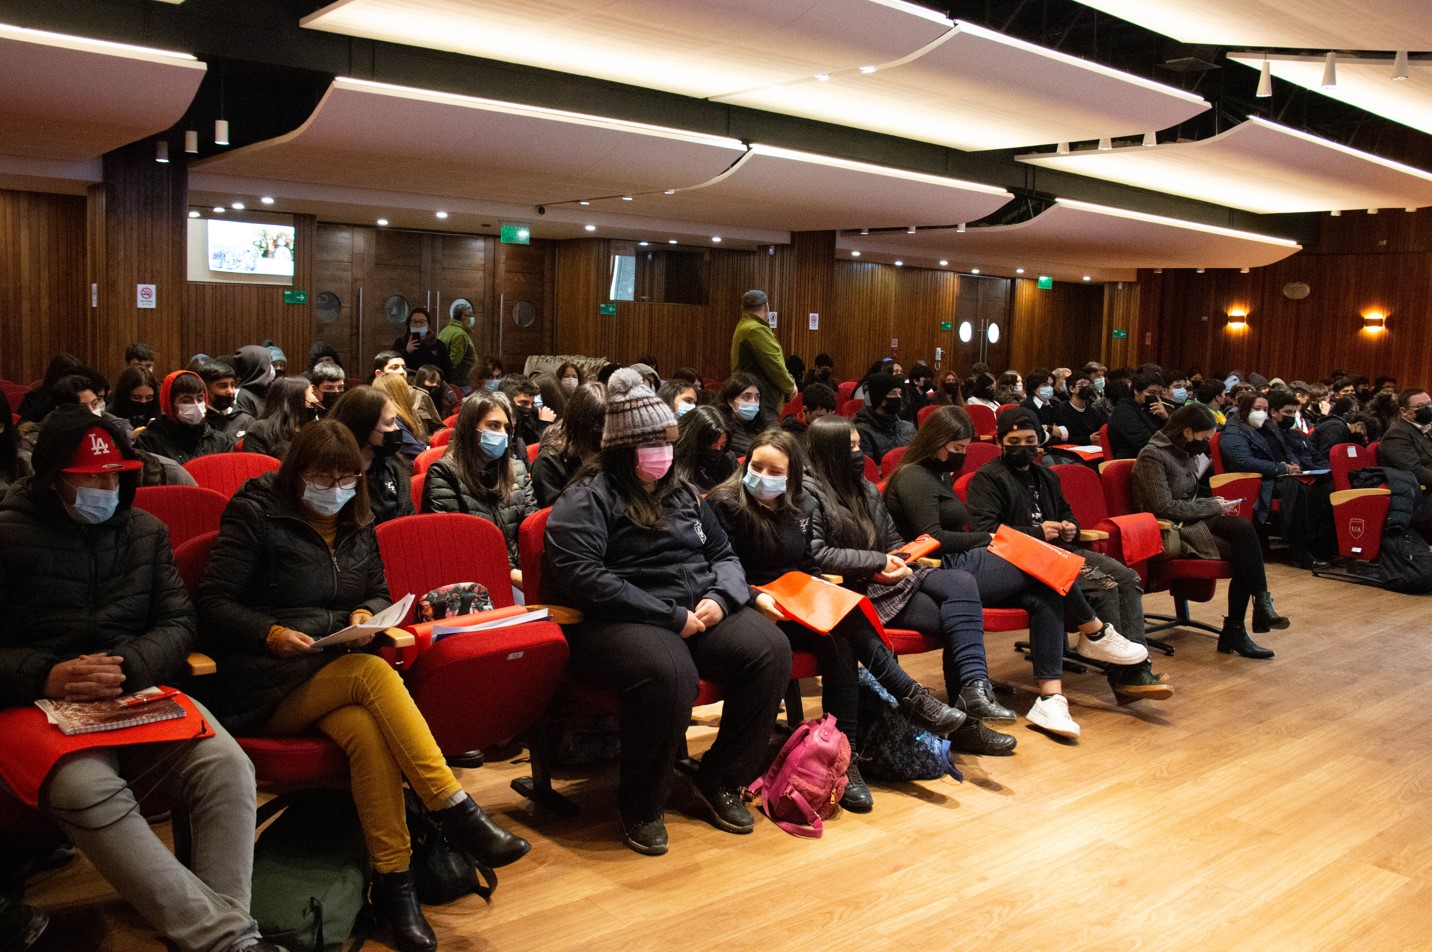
(89, 717)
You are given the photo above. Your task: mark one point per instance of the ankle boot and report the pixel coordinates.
(1233, 639)
(1265, 616)
(474, 833)
(396, 901)
(857, 798)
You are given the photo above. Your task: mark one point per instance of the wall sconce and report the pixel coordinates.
(1237, 319)
(1374, 322)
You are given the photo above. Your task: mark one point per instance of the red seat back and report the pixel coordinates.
(1358, 518)
(421, 553)
(792, 407)
(848, 408)
(451, 421)
(925, 412)
(530, 540)
(1102, 438)
(872, 472)
(1372, 453)
(1216, 452)
(1244, 488)
(891, 460)
(532, 450)
(978, 454)
(416, 485)
(962, 485)
(225, 473)
(192, 557)
(846, 389)
(1347, 458)
(983, 418)
(14, 393)
(1085, 493)
(427, 458)
(1005, 406)
(187, 511)
(1117, 477)
(441, 437)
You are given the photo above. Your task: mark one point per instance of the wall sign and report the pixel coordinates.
(145, 295)
(814, 321)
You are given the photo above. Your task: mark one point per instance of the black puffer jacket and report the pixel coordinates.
(445, 491)
(182, 442)
(68, 589)
(390, 488)
(880, 433)
(838, 551)
(268, 568)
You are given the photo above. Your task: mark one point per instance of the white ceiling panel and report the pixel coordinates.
(1258, 166)
(1290, 24)
(1363, 82)
(881, 65)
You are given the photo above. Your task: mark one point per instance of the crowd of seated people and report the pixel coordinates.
(670, 499)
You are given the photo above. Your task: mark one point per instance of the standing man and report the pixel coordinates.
(755, 350)
(461, 353)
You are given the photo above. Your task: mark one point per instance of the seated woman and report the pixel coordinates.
(136, 397)
(291, 404)
(1249, 445)
(297, 560)
(569, 375)
(373, 420)
(740, 406)
(578, 442)
(415, 434)
(703, 454)
(433, 399)
(183, 432)
(639, 553)
(765, 513)
(851, 536)
(95, 608)
(881, 422)
(681, 396)
(480, 474)
(981, 391)
(1165, 483)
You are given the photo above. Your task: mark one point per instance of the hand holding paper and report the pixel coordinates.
(388, 618)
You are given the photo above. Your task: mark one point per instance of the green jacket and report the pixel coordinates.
(460, 351)
(755, 350)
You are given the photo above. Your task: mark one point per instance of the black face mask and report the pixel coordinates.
(137, 420)
(1151, 399)
(710, 454)
(1286, 422)
(1018, 457)
(954, 462)
(952, 388)
(437, 394)
(392, 442)
(222, 402)
(891, 406)
(857, 465)
(1423, 416)
(1197, 448)
(329, 399)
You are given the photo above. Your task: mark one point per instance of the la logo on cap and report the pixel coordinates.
(96, 453)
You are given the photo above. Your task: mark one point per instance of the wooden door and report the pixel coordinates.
(982, 312)
(395, 283)
(523, 325)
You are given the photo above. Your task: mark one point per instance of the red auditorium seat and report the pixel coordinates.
(225, 473)
(187, 511)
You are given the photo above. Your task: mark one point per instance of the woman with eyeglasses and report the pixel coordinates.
(297, 560)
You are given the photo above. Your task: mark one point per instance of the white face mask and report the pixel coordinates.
(190, 413)
(1256, 418)
(570, 383)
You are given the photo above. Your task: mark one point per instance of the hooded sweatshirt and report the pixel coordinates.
(181, 442)
(254, 365)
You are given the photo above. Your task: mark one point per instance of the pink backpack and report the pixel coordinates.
(807, 780)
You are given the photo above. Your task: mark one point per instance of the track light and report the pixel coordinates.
(1150, 140)
(1399, 65)
(1265, 80)
(1242, 270)
(1061, 149)
(1336, 212)
(960, 228)
(910, 230)
(191, 141)
(1372, 211)
(221, 132)
(1106, 144)
(1330, 71)
(864, 231)
(161, 152)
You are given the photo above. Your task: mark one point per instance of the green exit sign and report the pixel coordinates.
(607, 310)
(516, 235)
(1121, 335)
(947, 325)
(1046, 283)
(295, 297)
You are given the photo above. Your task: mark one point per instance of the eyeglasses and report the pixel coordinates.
(328, 482)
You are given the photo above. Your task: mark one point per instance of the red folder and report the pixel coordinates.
(817, 604)
(1055, 567)
(1087, 456)
(1139, 536)
(917, 548)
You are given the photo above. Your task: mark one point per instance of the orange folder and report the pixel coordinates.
(817, 604)
(917, 548)
(1055, 567)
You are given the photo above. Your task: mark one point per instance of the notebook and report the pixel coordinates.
(389, 617)
(90, 717)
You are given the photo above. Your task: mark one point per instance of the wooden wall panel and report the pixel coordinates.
(1121, 313)
(1058, 327)
(43, 297)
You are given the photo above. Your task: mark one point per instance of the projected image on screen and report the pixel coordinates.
(244, 247)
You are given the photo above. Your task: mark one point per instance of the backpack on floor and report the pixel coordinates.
(805, 783)
(890, 748)
(1405, 563)
(311, 873)
(441, 873)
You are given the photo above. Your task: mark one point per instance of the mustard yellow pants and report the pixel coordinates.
(361, 702)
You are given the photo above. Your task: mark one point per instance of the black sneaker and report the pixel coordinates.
(647, 837)
(975, 738)
(1137, 682)
(977, 701)
(927, 712)
(857, 798)
(728, 810)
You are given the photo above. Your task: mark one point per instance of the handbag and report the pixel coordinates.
(1172, 539)
(441, 873)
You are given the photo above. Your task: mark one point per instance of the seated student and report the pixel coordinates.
(94, 608)
(254, 365)
(1306, 516)
(817, 400)
(823, 372)
(1015, 491)
(578, 443)
(1165, 483)
(852, 535)
(862, 390)
(78, 388)
(1250, 445)
(1213, 394)
(278, 359)
(486, 374)
(1407, 446)
(1137, 417)
(36, 404)
(136, 398)
(1383, 406)
(139, 354)
(433, 399)
(329, 381)
(1061, 383)
(918, 391)
(395, 387)
(183, 432)
(1010, 388)
(1041, 402)
(765, 513)
(373, 420)
(481, 474)
(389, 362)
(740, 406)
(880, 422)
(532, 418)
(1080, 415)
(569, 375)
(221, 387)
(290, 405)
(420, 344)
(550, 395)
(297, 560)
(665, 603)
(680, 395)
(703, 456)
(950, 392)
(980, 390)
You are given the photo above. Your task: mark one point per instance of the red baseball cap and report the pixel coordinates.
(96, 453)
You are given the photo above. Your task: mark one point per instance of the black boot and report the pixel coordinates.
(857, 798)
(396, 901)
(977, 701)
(1233, 639)
(974, 738)
(925, 711)
(1265, 616)
(472, 832)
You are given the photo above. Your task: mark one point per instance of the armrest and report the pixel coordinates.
(1219, 480)
(834, 579)
(201, 664)
(394, 638)
(929, 562)
(1348, 495)
(561, 614)
(1165, 523)
(1092, 535)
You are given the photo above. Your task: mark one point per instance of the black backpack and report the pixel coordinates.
(1405, 563)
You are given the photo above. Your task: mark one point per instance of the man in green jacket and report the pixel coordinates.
(755, 350)
(459, 343)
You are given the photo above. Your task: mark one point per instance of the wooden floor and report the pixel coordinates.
(1283, 805)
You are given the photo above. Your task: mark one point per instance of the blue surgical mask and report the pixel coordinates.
(1045, 393)
(492, 384)
(1230, 382)
(763, 487)
(1180, 395)
(493, 443)
(420, 331)
(1099, 384)
(748, 411)
(537, 402)
(327, 501)
(684, 408)
(93, 506)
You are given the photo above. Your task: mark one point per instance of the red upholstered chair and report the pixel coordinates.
(451, 421)
(225, 473)
(848, 408)
(1243, 487)
(792, 407)
(1347, 458)
(1216, 453)
(1102, 438)
(14, 393)
(845, 390)
(962, 483)
(415, 483)
(891, 460)
(925, 413)
(427, 458)
(977, 455)
(984, 420)
(872, 472)
(532, 450)
(187, 511)
(1003, 407)
(441, 437)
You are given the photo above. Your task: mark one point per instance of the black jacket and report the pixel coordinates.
(182, 442)
(786, 550)
(430, 350)
(740, 434)
(551, 471)
(1000, 495)
(390, 489)
(445, 491)
(1131, 425)
(1330, 431)
(265, 437)
(68, 589)
(1406, 447)
(1297, 448)
(838, 552)
(233, 425)
(270, 567)
(598, 561)
(879, 434)
(1082, 425)
(712, 468)
(921, 501)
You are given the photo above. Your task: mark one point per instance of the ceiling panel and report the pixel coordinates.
(880, 65)
(1258, 166)
(1363, 82)
(1290, 24)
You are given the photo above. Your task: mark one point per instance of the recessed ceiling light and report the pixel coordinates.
(584, 202)
(237, 206)
(974, 271)
(591, 227)
(855, 254)
(670, 191)
(671, 241)
(219, 209)
(382, 221)
(716, 239)
(823, 77)
(193, 214)
(1086, 277)
(267, 199)
(867, 69)
(442, 214)
(1018, 270)
(944, 263)
(626, 198)
(899, 263)
(910, 230)
(643, 243)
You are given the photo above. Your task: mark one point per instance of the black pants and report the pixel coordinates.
(948, 605)
(1239, 545)
(1001, 585)
(656, 673)
(852, 641)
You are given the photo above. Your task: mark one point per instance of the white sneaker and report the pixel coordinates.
(1113, 648)
(1052, 714)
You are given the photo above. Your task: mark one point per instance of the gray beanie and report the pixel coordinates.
(753, 299)
(635, 415)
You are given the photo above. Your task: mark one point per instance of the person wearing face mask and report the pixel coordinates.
(702, 455)
(740, 405)
(329, 381)
(1305, 515)
(980, 390)
(1010, 388)
(533, 416)
(97, 609)
(290, 405)
(433, 400)
(456, 338)
(1137, 418)
(415, 434)
(135, 399)
(880, 422)
(481, 474)
(1081, 415)
(681, 396)
(486, 375)
(1338, 427)
(1061, 383)
(420, 345)
(1041, 402)
(296, 560)
(278, 359)
(766, 514)
(757, 353)
(1165, 483)
(817, 400)
(577, 443)
(254, 365)
(1250, 444)
(664, 603)
(221, 403)
(183, 432)
(1212, 394)
(1407, 446)
(919, 391)
(569, 375)
(373, 420)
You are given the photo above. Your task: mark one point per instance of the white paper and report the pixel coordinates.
(442, 631)
(1088, 449)
(381, 622)
(1201, 464)
(1315, 472)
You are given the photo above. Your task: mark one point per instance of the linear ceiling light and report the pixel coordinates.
(1175, 222)
(86, 44)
